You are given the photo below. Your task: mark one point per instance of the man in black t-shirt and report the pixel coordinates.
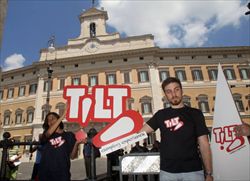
(183, 135)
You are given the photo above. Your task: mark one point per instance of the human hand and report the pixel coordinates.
(81, 141)
(209, 178)
(242, 130)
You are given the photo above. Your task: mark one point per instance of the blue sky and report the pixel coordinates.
(210, 23)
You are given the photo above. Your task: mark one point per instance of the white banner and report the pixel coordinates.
(122, 143)
(231, 155)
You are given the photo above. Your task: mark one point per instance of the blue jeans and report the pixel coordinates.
(185, 176)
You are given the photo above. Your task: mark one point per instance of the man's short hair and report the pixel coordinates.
(170, 80)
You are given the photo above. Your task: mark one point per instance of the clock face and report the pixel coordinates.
(92, 47)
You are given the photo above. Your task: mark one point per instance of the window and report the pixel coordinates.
(212, 73)
(76, 81)
(244, 73)
(146, 105)
(229, 73)
(203, 103)
(21, 91)
(44, 111)
(30, 114)
(61, 84)
(10, 93)
(146, 108)
(166, 104)
(181, 75)
(126, 77)
(164, 74)
(61, 107)
(19, 115)
(92, 30)
(7, 114)
(32, 89)
(93, 80)
(1, 94)
(186, 100)
(111, 79)
(197, 75)
(46, 85)
(130, 102)
(143, 76)
(238, 102)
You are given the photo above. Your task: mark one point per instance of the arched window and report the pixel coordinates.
(238, 102)
(146, 104)
(30, 114)
(61, 107)
(19, 116)
(7, 115)
(203, 103)
(92, 29)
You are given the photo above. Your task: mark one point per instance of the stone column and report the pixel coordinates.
(155, 87)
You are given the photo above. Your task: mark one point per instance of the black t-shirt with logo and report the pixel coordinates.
(55, 160)
(180, 129)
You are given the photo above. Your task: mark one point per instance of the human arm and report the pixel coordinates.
(33, 149)
(206, 155)
(146, 128)
(73, 153)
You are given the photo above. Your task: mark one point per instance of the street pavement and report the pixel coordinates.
(77, 170)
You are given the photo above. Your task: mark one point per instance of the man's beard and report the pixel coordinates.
(175, 101)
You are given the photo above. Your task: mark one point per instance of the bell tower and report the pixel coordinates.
(93, 23)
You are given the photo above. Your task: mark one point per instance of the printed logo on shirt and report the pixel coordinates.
(174, 123)
(57, 142)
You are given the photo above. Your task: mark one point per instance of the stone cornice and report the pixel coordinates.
(204, 50)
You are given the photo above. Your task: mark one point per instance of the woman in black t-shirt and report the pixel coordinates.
(58, 148)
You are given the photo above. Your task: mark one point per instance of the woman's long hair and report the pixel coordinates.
(46, 125)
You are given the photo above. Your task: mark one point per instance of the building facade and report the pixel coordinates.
(99, 58)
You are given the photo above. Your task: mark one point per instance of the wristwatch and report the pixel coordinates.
(208, 174)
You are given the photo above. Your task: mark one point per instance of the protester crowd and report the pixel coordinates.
(185, 152)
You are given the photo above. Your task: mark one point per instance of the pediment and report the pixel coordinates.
(94, 12)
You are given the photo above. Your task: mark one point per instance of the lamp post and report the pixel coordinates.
(51, 49)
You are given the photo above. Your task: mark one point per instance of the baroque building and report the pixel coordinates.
(100, 58)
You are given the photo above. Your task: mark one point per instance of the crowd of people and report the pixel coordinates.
(185, 152)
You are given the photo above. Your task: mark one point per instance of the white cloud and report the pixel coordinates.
(173, 23)
(13, 62)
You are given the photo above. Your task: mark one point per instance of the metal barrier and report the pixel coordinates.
(140, 164)
(7, 143)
